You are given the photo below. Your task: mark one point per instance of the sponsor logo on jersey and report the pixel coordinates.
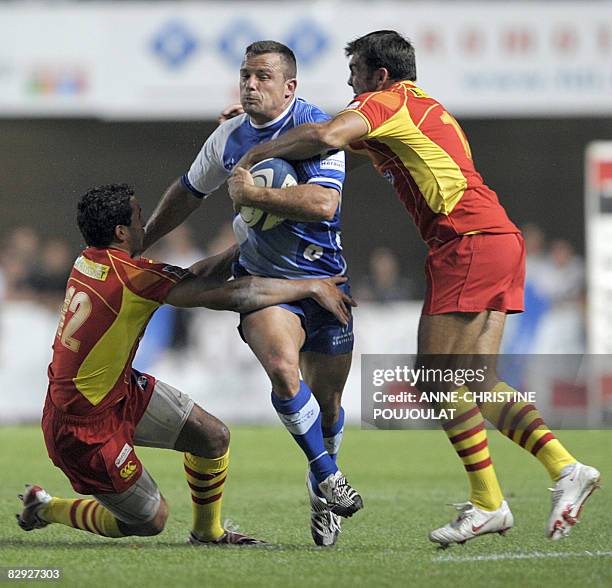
(128, 470)
(142, 382)
(127, 449)
(335, 161)
(97, 271)
(174, 270)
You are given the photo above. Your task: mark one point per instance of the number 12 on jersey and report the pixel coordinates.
(79, 304)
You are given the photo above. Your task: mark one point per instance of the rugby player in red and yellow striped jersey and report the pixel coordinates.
(475, 267)
(98, 408)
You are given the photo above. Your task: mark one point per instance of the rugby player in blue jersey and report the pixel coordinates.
(289, 338)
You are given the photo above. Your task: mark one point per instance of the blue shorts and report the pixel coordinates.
(324, 332)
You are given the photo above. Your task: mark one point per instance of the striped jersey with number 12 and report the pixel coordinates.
(110, 298)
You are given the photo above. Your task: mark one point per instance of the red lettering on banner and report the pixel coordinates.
(518, 41)
(472, 41)
(566, 40)
(604, 39)
(431, 41)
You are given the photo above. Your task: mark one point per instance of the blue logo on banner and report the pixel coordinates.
(174, 44)
(308, 41)
(235, 38)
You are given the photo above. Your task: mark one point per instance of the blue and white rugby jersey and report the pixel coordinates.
(292, 249)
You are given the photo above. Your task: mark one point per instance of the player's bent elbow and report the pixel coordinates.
(329, 138)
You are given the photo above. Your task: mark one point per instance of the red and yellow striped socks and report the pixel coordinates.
(206, 478)
(466, 431)
(521, 422)
(85, 514)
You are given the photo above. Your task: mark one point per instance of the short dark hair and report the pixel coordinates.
(261, 47)
(101, 209)
(386, 49)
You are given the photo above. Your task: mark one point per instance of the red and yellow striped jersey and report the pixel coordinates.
(421, 149)
(110, 298)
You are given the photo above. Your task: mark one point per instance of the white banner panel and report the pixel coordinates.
(180, 60)
(598, 216)
(218, 370)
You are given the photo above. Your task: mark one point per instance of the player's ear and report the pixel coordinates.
(121, 233)
(381, 78)
(290, 87)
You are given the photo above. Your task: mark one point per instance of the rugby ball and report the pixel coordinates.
(269, 173)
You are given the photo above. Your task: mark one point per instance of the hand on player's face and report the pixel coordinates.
(264, 91)
(238, 185)
(335, 300)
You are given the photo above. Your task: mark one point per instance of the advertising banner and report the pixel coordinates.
(181, 60)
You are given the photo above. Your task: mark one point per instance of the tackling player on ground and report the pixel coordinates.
(286, 339)
(475, 267)
(98, 407)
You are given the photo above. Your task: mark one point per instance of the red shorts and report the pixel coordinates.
(97, 452)
(473, 273)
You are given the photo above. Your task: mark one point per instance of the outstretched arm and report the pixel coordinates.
(308, 140)
(306, 202)
(252, 293)
(175, 206)
(218, 267)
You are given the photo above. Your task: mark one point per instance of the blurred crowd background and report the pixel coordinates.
(93, 93)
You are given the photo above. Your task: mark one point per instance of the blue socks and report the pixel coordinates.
(301, 416)
(332, 438)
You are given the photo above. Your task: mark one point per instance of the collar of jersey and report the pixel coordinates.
(280, 117)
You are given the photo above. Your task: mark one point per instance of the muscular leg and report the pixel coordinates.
(481, 334)
(326, 376)
(440, 337)
(140, 510)
(205, 441)
(173, 421)
(203, 435)
(275, 335)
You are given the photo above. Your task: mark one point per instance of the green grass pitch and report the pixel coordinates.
(406, 478)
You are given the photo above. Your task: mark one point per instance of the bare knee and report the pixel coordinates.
(203, 435)
(284, 376)
(153, 527)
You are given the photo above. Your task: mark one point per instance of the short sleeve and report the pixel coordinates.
(207, 171)
(375, 108)
(327, 169)
(148, 279)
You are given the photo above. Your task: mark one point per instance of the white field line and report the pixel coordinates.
(531, 555)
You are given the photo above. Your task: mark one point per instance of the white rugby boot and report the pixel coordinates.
(472, 522)
(325, 526)
(342, 499)
(34, 498)
(577, 483)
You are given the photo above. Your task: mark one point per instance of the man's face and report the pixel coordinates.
(264, 91)
(135, 232)
(360, 78)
